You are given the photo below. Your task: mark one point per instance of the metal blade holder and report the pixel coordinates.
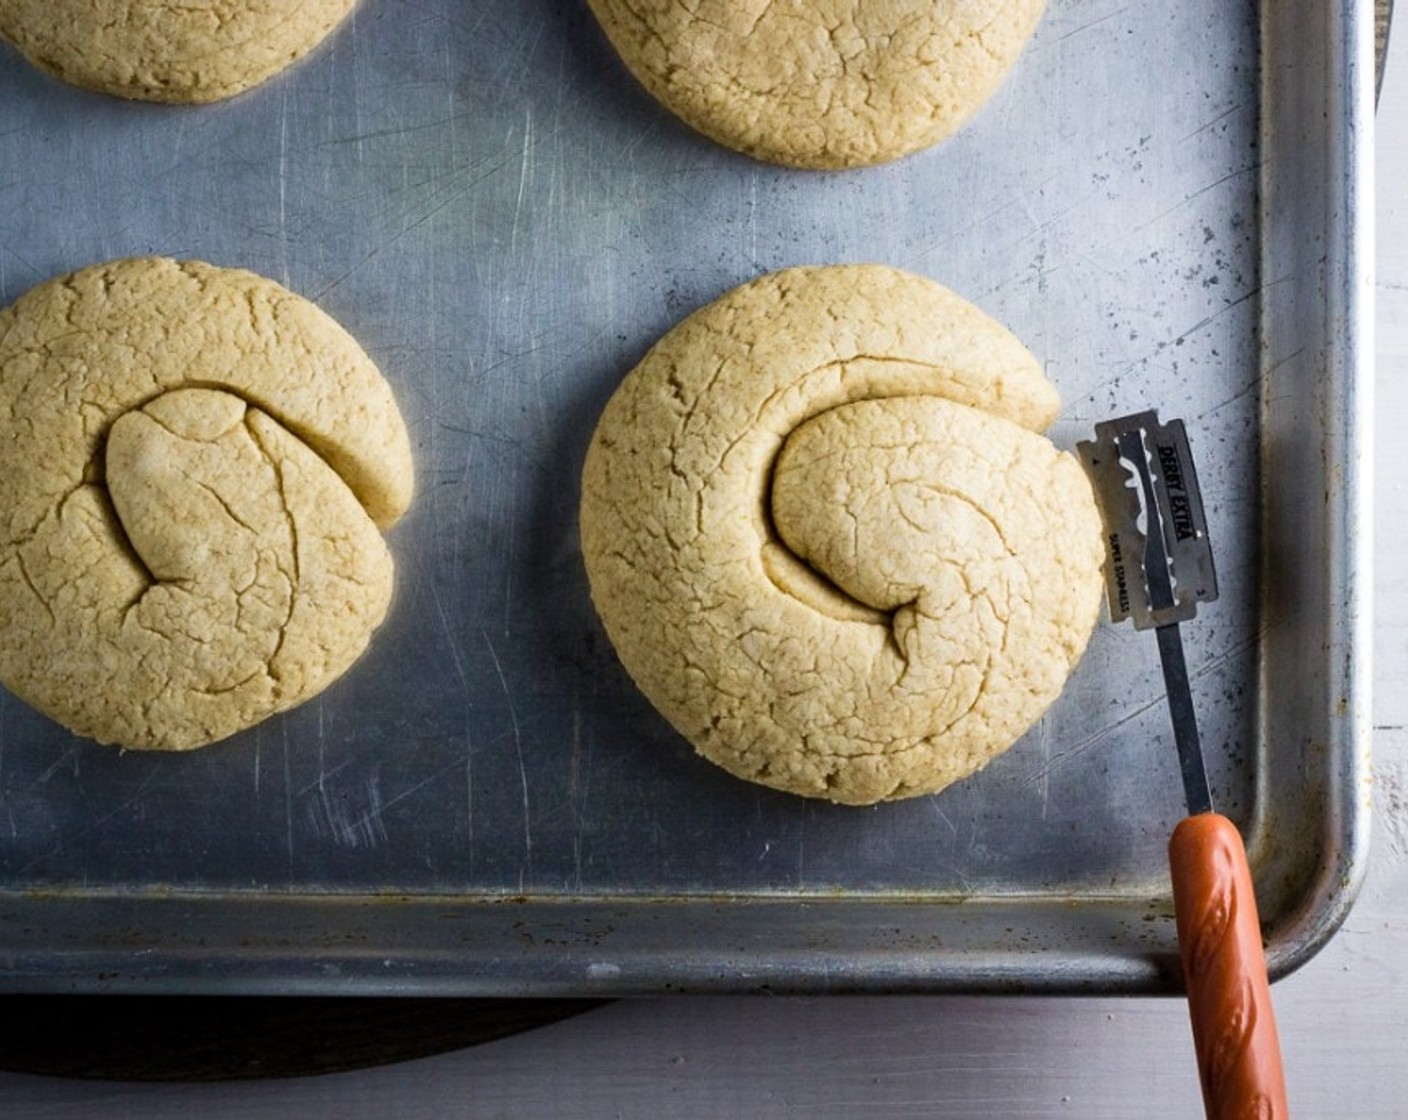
(1159, 560)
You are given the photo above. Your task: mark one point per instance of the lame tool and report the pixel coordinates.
(1158, 569)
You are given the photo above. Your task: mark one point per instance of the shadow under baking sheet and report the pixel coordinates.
(226, 1039)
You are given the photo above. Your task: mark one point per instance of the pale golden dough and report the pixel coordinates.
(195, 466)
(821, 83)
(176, 51)
(827, 540)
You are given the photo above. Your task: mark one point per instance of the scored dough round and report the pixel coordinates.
(827, 541)
(168, 50)
(195, 466)
(830, 84)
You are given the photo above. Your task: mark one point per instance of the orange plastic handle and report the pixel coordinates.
(1224, 968)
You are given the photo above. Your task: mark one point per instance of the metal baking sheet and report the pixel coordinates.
(1166, 202)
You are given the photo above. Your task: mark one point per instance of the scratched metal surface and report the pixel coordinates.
(483, 197)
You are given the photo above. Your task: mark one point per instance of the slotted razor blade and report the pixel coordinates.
(1159, 558)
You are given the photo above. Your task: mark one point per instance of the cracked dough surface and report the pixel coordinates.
(195, 467)
(176, 51)
(828, 541)
(821, 83)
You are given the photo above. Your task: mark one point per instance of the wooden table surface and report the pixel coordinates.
(1343, 1017)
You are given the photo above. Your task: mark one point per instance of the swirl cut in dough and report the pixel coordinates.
(821, 84)
(827, 541)
(195, 469)
(176, 51)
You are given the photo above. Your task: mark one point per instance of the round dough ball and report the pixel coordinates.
(821, 83)
(178, 51)
(827, 540)
(195, 467)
